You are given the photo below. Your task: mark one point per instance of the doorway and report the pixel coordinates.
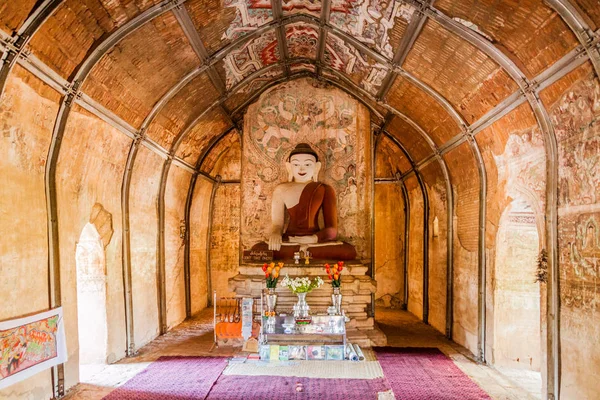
(91, 302)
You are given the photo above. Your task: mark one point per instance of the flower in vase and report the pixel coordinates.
(272, 274)
(301, 284)
(334, 273)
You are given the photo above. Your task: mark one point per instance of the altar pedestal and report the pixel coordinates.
(356, 289)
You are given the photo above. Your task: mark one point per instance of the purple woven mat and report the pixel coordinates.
(425, 374)
(238, 387)
(172, 378)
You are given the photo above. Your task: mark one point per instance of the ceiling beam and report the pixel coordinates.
(16, 45)
(183, 17)
(573, 17)
(414, 28)
(323, 21)
(277, 9)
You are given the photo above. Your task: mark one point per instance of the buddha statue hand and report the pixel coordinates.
(275, 242)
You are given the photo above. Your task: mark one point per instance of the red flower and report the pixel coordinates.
(330, 277)
(267, 275)
(264, 267)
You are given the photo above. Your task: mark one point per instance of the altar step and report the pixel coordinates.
(366, 337)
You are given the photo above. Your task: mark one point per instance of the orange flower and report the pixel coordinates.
(336, 276)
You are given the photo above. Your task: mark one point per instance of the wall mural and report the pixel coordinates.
(370, 21)
(249, 15)
(251, 57)
(337, 127)
(30, 345)
(344, 58)
(577, 122)
(576, 118)
(302, 41)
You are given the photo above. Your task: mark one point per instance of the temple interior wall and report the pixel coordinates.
(143, 225)
(415, 248)
(389, 245)
(90, 173)
(574, 106)
(27, 112)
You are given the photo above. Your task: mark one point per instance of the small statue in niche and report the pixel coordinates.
(303, 197)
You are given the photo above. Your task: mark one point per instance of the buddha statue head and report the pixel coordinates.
(303, 164)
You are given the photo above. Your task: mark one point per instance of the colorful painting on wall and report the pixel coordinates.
(337, 127)
(30, 345)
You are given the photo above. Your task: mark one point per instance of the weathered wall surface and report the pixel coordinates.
(415, 248)
(516, 293)
(514, 157)
(143, 226)
(465, 183)
(199, 213)
(438, 235)
(178, 183)
(27, 112)
(574, 104)
(89, 174)
(389, 245)
(224, 241)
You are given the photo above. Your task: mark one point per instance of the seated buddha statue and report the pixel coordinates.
(303, 197)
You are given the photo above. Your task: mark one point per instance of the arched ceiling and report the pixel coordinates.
(178, 73)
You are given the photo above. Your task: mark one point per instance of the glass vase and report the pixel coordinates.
(336, 299)
(271, 301)
(301, 309)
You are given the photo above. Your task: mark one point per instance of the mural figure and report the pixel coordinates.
(304, 197)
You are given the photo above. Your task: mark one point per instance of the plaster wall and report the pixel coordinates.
(438, 250)
(465, 183)
(175, 194)
(143, 227)
(199, 213)
(28, 109)
(389, 245)
(88, 178)
(224, 241)
(415, 250)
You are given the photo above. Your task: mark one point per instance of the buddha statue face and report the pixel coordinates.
(303, 168)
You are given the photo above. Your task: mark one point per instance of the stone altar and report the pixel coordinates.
(357, 288)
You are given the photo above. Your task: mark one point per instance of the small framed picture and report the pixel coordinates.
(297, 352)
(334, 353)
(315, 352)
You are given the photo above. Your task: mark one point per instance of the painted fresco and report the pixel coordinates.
(337, 127)
(312, 7)
(576, 118)
(249, 15)
(345, 58)
(370, 21)
(581, 256)
(302, 67)
(577, 126)
(302, 41)
(522, 166)
(29, 345)
(251, 57)
(257, 83)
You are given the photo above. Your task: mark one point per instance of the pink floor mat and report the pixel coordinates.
(172, 378)
(412, 374)
(425, 374)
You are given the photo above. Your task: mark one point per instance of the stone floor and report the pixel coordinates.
(195, 337)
